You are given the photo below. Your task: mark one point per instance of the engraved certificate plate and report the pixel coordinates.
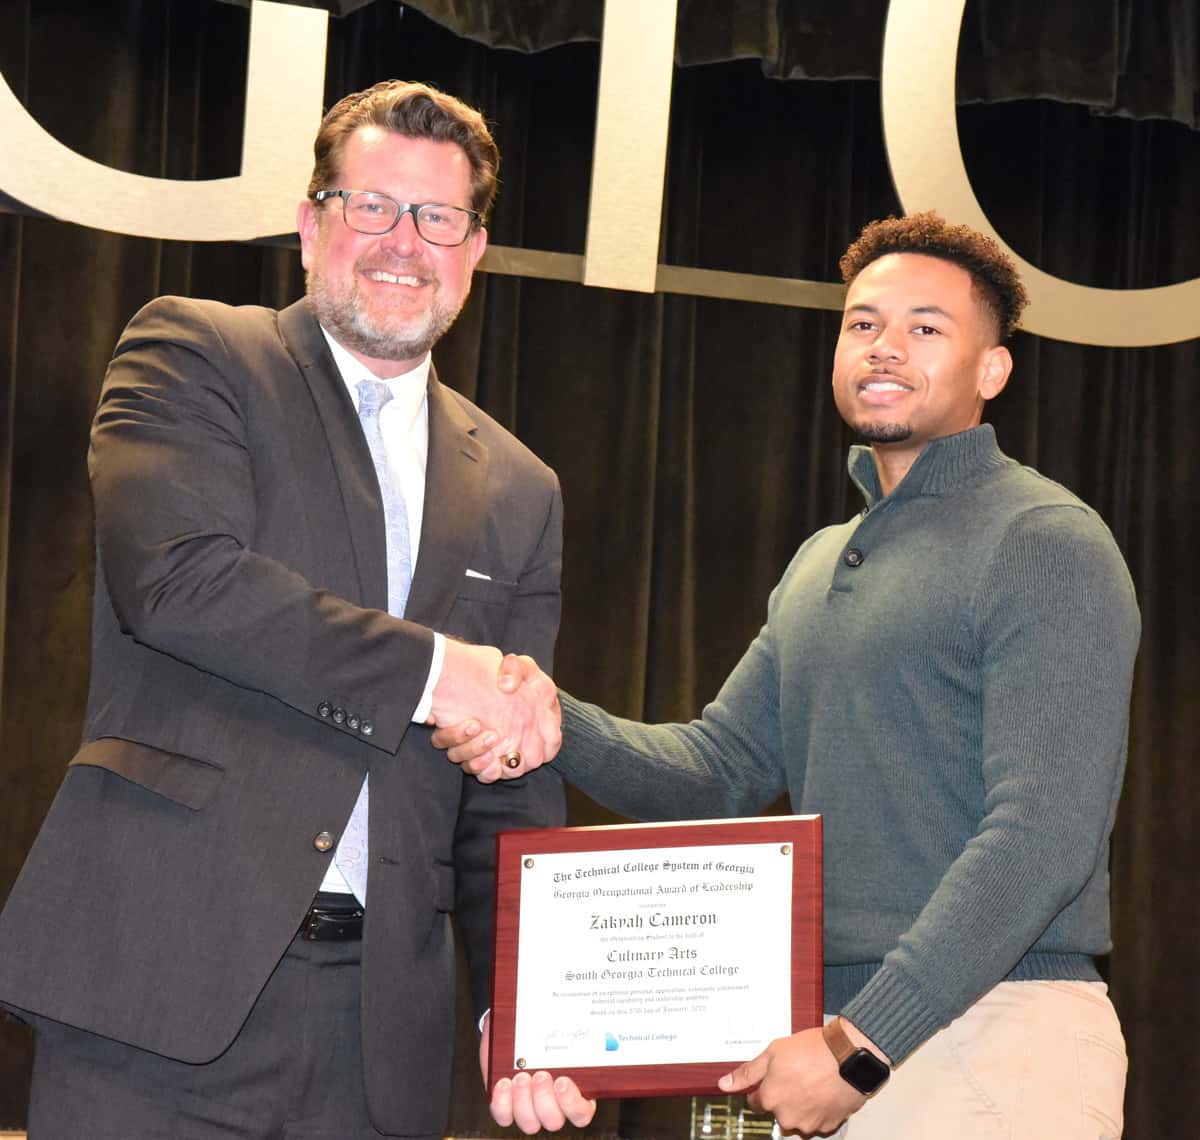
(650, 959)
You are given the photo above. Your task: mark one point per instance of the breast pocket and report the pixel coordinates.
(480, 610)
(184, 779)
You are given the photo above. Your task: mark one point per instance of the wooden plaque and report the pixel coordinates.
(622, 931)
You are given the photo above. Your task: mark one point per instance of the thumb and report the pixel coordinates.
(508, 680)
(747, 1075)
(484, 1046)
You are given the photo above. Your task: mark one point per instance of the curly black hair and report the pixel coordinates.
(992, 271)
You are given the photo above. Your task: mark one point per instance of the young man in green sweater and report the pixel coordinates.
(945, 678)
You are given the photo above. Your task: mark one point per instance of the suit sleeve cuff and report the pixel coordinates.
(421, 712)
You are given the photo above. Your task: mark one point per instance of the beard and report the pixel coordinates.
(881, 433)
(341, 310)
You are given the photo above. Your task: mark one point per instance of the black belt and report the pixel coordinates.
(333, 918)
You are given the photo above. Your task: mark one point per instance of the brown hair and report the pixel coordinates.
(416, 111)
(993, 275)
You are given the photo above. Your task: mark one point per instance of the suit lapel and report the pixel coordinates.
(455, 484)
(355, 486)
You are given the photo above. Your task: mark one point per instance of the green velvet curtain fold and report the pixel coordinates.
(696, 439)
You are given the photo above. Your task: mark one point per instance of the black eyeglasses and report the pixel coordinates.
(371, 213)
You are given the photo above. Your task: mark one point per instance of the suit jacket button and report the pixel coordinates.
(366, 728)
(339, 716)
(352, 722)
(853, 557)
(324, 709)
(323, 840)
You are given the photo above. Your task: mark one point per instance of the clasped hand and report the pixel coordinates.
(488, 707)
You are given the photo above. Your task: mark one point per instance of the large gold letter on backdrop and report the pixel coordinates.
(920, 50)
(637, 56)
(284, 84)
(285, 79)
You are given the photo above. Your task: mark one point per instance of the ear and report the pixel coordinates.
(476, 245)
(308, 224)
(996, 369)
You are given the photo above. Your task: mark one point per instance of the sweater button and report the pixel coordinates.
(853, 557)
(323, 841)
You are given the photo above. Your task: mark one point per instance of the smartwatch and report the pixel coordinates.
(860, 1068)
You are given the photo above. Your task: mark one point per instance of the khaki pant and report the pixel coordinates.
(1028, 1061)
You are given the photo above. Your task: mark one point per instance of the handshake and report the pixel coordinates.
(497, 716)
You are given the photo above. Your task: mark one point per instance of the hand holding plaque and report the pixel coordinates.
(796, 1080)
(534, 1101)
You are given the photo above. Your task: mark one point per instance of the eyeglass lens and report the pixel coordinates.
(372, 213)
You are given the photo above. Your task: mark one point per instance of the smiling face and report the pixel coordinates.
(917, 356)
(388, 297)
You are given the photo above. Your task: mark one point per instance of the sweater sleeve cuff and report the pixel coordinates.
(892, 1014)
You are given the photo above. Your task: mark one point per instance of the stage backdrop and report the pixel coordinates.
(696, 439)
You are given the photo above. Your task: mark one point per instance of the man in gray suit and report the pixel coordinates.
(300, 534)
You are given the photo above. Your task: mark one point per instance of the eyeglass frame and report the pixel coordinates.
(403, 208)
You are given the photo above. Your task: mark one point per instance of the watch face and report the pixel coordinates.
(864, 1071)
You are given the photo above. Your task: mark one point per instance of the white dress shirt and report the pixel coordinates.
(404, 425)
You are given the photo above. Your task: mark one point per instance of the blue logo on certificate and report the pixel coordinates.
(611, 1044)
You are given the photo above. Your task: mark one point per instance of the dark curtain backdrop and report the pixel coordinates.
(1129, 57)
(696, 439)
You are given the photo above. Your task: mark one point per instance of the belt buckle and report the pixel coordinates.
(327, 924)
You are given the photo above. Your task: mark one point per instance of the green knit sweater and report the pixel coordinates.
(945, 678)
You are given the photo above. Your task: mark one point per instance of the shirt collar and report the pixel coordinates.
(408, 388)
(945, 465)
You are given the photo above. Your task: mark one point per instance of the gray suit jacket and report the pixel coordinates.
(241, 576)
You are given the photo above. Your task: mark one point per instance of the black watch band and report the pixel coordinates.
(860, 1068)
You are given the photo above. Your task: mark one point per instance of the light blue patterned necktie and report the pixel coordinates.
(351, 855)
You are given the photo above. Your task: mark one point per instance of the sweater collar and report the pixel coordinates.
(945, 465)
